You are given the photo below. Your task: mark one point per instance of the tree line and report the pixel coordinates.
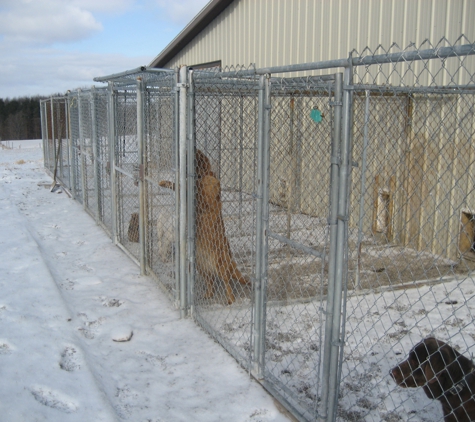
(20, 118)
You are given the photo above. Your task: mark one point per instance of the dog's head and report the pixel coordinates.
(433, 365)
(202, 165)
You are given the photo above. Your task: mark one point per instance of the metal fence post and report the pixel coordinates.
(332, 222)
(51, 165)
(140, 141)
(112, 154)
(191, 190)
(95, 154)
(341, 247)
(176, 157)
(262, 221)
(182, 188)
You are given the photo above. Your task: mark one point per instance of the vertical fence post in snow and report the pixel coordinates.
(332, 223)
(263, 162)
(140, 141)
(191, 190)
(342, 245)
(95, 154)
(51, 165)
(176, 157)
(112, 154)
(181, 194)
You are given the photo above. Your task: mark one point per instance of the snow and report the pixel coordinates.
(85, 337)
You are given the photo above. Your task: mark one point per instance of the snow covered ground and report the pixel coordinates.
(68, 296)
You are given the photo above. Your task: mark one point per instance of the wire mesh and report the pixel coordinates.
(410, 232)
(224, 174)
(77, 182)
(87, 146)
(127, 169)
(102, 157)
(160, 163)
(300, 149)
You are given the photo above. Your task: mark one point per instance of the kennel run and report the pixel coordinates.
(347, 196)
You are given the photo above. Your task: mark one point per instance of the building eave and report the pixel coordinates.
(199, 22)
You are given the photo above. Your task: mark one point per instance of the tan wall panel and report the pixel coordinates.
(282, 32)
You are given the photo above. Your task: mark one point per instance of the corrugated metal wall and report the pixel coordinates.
(282, 32)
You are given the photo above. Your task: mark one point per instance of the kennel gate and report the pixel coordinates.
(260, 133)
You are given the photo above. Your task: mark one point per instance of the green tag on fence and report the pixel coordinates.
(316, 115)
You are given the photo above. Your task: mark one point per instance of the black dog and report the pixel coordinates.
(444, 374)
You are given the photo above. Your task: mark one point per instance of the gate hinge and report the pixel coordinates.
(181, 85)
(335, 103)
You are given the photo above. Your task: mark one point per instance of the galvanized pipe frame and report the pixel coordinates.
(191, 200)
(181, 189)
(262, 225)
(112, 105)
(141, 151)
(333, 306)
(340, 169)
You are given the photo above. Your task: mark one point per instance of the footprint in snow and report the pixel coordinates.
(5, 348)
(69, 360)
(54, 399)
(90, 328)
(111, 303)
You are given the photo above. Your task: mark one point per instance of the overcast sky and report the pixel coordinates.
(50, 46)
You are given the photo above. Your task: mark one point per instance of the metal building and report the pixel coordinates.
(280, 32)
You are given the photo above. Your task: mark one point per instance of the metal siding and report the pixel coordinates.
(277, 32)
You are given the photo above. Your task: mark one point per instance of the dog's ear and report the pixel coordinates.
(438, 371)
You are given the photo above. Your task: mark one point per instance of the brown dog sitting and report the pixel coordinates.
(444, 374)
(213, 253)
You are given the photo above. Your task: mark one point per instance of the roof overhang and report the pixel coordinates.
(200, 22)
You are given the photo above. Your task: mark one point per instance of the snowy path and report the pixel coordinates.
(66, 291)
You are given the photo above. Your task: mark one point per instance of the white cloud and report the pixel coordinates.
(181, 11)
(43, 22)
(104, 6)
(55, 71)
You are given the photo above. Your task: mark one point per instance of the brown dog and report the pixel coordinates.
(213, 253)
(444, 374)
(133, 230)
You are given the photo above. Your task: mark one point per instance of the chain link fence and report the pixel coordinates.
(55, 127)
(318, 227)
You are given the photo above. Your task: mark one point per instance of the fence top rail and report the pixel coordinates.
(135, 73)
(399, 57)
(404, 56)
(405, 90)
(47, 100)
